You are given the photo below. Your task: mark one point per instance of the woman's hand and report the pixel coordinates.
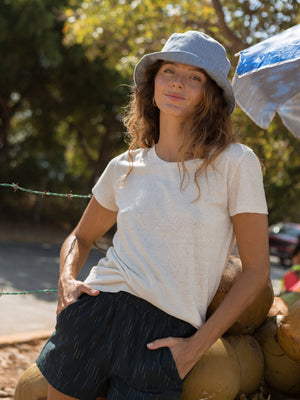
(69, 290)
(183, 352)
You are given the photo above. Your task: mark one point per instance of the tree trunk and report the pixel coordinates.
(5, 117)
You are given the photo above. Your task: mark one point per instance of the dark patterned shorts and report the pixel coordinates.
(99, 350)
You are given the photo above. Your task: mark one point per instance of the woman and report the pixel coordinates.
(179, 196)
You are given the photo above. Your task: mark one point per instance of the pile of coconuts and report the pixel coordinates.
(258, 355)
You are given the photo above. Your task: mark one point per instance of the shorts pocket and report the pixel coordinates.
(169, 366)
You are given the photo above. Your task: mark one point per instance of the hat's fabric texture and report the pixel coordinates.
(196, 49)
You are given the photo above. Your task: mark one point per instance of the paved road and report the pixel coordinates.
(32, 266)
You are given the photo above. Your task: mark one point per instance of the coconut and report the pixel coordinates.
(280, 371)
(279, 307)
(289, 332)
(251, 360)
(215, 376)
(32, 385)
(256, 313)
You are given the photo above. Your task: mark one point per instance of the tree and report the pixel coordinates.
(125, 30)
(61, 75)
(59, 111)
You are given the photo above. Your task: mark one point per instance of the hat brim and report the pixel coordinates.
(187, 58)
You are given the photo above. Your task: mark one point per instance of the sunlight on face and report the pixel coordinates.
(178, 89)
(181, 73)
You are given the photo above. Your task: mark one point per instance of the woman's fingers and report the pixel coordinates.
(74, 292)
(158, 343)
(83, 288)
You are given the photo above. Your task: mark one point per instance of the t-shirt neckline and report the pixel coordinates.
(155, 156)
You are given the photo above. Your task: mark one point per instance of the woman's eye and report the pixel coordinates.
(196, 78)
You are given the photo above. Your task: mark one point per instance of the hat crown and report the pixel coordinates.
(201, 46)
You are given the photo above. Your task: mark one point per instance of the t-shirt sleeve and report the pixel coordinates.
(245, 188)
(104, 189)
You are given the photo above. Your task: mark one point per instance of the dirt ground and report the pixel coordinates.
(14, 360)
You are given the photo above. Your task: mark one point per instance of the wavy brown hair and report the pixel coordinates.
(211, 131)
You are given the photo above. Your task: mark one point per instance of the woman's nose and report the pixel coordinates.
(178, 81)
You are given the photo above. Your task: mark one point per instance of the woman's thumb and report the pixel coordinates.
(90, 290)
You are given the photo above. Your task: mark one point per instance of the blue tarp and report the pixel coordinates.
(281, 48)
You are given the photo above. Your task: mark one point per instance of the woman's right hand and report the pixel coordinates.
(70, 289)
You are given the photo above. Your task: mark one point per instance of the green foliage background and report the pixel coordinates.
(64, 75)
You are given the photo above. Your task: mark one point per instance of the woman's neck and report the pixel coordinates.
(171, 136)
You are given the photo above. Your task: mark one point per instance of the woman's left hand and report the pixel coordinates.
(183, 352)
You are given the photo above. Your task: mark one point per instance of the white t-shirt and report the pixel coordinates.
(169, 249)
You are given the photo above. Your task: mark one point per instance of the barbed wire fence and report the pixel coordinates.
(44, 193)
(16, 187)
(46, 291)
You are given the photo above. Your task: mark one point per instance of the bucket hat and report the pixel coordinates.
(196, 49)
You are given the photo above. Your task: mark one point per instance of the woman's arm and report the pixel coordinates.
(94, 223)
(252, 238)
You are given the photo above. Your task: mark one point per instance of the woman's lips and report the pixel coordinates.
(175, 96)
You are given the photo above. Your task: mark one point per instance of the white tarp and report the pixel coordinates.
(267, 80)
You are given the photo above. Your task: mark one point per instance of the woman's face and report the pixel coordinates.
(178, 89)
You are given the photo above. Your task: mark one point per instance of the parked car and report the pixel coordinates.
(283, 238)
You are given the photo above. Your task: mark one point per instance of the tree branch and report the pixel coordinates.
(5, 117)
(236, 43)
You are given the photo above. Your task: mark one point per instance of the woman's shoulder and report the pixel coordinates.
(236, 152)
(130, 157)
